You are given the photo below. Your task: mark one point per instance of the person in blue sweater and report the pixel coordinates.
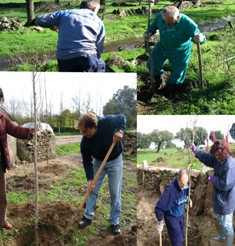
(81, 35)
(98, 136)
(223, 181)
(170, 207)
(177, 32)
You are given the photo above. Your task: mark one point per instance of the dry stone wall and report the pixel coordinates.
(156, 179)
(130, 143)
(46, 147)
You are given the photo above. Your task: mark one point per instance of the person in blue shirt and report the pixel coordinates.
(223, 181)
(98, 136)
(170, 207)
(81, 35)
(177, 32)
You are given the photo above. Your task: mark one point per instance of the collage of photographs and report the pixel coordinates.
(117, 122)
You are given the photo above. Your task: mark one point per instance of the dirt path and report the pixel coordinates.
(60, 140)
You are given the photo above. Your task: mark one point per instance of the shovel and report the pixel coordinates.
(200, 65)
(88, 192)
(160, 238)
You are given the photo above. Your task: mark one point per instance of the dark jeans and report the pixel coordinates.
(82, 64)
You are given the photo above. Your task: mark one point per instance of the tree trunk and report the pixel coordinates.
(30, 12)
(57, 1)
(159, 147)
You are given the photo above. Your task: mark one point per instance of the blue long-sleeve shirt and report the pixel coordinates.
(172, 201)
(223, 196)
(81, 32)
(177, 37)
(98, 146)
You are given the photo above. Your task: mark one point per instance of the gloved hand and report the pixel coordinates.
(198, 38)
(147, 35)
(211, 177)
(159, 226)
(193, 148)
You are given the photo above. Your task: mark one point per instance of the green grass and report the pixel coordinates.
(68, 149)
(72, 133)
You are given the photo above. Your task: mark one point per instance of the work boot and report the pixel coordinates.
(115, 229)
(229, 240)
(171, 91)
(221, 237)
(84, 223)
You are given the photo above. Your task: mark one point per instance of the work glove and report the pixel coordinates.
(147, 35)
(159, 226)
(193, 148)
(198, 38)
(211, 177)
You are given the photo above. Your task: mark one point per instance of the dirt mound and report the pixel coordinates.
(126, 238)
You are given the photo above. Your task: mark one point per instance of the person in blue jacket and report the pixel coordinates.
(81, 35)
(98, 136)
(170, 207)
(177, 32)
(223, 181)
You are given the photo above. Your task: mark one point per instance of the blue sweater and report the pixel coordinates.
(172, 201)
(81, 32)
(177, 37)
(98, 146)
(223, 196)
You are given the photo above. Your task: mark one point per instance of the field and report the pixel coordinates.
(62, 185)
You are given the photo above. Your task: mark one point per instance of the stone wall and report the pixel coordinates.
(10, 24)
(129, 142)
(156, 179)
(46, 148)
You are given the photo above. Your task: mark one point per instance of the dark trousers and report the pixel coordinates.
(82, 64)
(175, 228)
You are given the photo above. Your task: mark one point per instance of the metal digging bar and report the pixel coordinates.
(152, 89)
(200, 65)
(88, 192)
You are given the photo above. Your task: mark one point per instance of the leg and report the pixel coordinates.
(179, 63)
(159, 60)
(3, 197)
(91, 201)
(71, 65)
(114, 169)
(174, 228)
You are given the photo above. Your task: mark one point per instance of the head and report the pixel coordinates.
(170, 15)
(87, 124)
(1, 96)
(93, 5)
(182, 178)
(221, 150)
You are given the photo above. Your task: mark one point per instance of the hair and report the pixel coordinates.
(182, 172)
(1, 95)
(88, 120)
(222, 149)
(89, 4)
(170, 11)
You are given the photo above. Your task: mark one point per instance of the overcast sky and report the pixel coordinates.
(100, 86)
(173, 123)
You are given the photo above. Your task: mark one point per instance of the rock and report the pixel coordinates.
(38, 28)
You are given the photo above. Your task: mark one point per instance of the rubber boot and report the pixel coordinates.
(229, 240)
(221, 237)
(171, 92)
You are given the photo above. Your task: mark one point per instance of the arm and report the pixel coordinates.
(87, 161)
(17, 131)
(49, 20)
(206, 158)
(154, 26)
(164, 203)
(226, 181)
(100, 41)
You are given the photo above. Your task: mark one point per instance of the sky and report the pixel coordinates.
(99, 86)
(173, 123)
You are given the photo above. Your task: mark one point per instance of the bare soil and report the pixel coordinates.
(54, 216)
(201, 228)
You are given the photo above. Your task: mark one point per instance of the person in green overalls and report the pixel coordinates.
(177, 32)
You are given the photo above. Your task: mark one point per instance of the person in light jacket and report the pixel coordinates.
(223, 181)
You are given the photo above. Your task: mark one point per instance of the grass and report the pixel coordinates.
(72, 133)
(68, 149)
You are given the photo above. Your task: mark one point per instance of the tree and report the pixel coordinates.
(123, 102)
(161, 137)
(218, 134)
(143, 140)
(188, 136)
